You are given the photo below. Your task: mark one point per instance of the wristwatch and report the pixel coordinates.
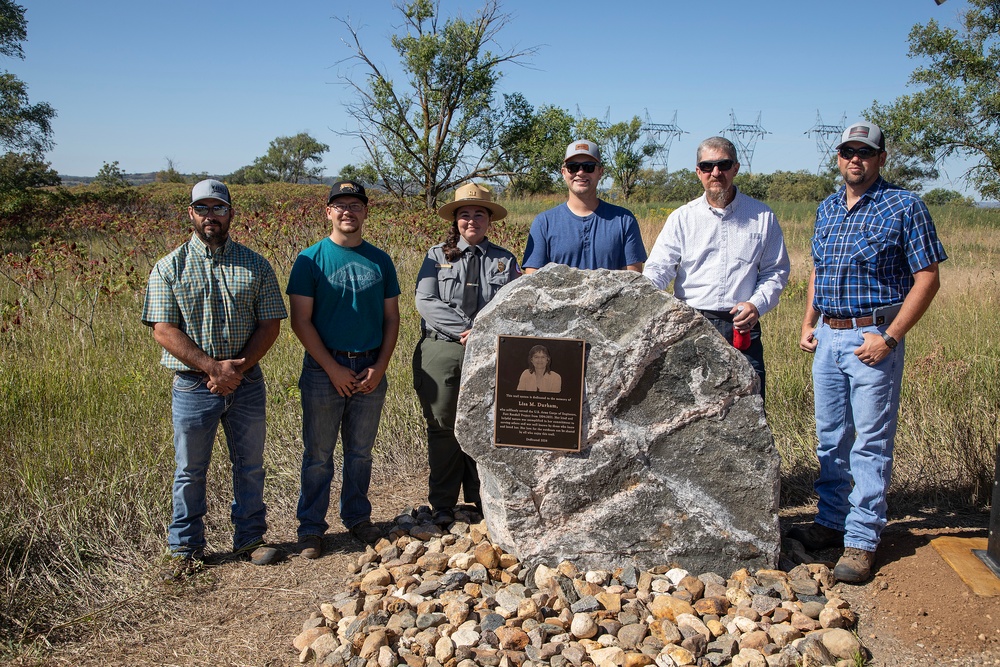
(889, 341)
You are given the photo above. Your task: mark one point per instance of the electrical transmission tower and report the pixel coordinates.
(661, 135)
(745, 137)
(827, 136)
(602, 124)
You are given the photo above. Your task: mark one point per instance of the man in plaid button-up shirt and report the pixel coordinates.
(215, 307)
(875, 255)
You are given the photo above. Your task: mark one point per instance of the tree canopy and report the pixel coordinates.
(957, 109)
(24, 127)
(287, 160)
(438, 124)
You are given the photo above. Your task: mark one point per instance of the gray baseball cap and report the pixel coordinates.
(867, 133)
(583, 147)
(210, 189)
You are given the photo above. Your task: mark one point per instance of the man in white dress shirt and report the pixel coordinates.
(724, 251)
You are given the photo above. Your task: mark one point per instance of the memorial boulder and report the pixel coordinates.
(677, 464)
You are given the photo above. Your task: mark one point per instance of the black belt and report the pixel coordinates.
(356, 355)
(430, 333)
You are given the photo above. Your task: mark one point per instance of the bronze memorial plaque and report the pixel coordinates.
(539, 392)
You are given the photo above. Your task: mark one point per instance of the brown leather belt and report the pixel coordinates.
(849, 323)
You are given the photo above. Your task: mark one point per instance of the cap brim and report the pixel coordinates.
(497, 212)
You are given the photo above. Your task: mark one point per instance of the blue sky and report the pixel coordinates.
(209, 85)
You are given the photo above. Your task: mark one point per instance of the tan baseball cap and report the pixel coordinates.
(583, 147)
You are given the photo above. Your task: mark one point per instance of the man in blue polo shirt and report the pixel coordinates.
(585, 232)
(875, 271)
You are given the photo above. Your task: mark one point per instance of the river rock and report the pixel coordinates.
(663, 394)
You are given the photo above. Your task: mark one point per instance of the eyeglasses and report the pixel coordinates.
(355, 207)
(864, 152)
(588, 167)
(203, 209)
(709, 166)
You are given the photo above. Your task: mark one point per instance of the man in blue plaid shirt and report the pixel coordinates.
(215, 307)
(875, 271)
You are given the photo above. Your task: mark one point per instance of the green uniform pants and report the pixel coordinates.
(437, 375)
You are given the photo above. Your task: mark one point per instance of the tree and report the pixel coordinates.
(622, 154)
(170, 174)
(944, 197)
(111, 177)
(435, 126)
(957, 109)
(286, 161)
(532, 152)
(24, 127)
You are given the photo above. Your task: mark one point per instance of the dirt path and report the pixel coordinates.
(916, 611)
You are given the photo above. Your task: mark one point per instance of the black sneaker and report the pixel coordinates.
(366, 532)
(816, 537)
(443, 518)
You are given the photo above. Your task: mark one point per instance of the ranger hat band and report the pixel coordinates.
(347, 189)
(867, 133)
(210, 189)
(583, 147)
(471, 194)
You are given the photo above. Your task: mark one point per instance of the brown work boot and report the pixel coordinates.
(816, 536)
(855, 566)
(311, 546)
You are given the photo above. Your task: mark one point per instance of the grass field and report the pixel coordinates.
(85, 437)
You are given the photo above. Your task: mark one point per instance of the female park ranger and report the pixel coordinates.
(457, 279)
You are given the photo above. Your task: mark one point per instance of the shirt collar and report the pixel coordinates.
(873, 191)
(729, 206)
(204, 251)
(463, 245)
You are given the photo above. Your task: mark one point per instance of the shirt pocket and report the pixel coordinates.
(746, 248)
(868, 246)
(449, 283)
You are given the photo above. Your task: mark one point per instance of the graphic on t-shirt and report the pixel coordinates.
(355, 278)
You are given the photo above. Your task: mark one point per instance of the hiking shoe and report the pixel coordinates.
(179, 566)
(816, 536)
(365, 532)
(311, 546)
(443, 518)
(258, 553)
(855, 566)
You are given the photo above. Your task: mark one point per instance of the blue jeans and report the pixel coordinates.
(324, 413)
(856, 407)
(197, 413)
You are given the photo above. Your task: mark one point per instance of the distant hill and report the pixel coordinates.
(150, 177)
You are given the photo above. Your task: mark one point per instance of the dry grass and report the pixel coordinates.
(85, 438)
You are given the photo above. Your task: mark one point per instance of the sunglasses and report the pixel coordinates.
(588, 167)
(709, 166)
(864, 152)
(203, 209)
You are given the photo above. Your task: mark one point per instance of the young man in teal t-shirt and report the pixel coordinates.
(344, 299)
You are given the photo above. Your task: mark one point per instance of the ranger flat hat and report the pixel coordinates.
(471, 194)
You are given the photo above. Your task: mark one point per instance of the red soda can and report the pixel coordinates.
(741, 339)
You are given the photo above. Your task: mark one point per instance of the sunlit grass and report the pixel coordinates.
(85, 435)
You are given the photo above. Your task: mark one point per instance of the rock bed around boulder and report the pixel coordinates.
(427, 596)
